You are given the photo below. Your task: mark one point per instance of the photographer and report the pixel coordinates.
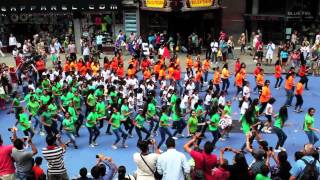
(239, 168)
(99, 171)
(7, 170)
(146, 161)
(23, 159)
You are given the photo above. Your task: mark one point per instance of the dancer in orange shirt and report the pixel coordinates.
(206, 67)
(260, 80)
(225, 74)
(217, 79)
(277, 74)
(298, 94)
(265, 96)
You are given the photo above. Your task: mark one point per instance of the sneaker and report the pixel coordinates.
(175, 138)
(42, 133)
(75, 147)
(277, 150)
(95, 144)
(161, 151)
(222, 139)
(114, 147)
(268, 131)
(125, 146)
(295, 110)
(91, 145)
(300, 110)
(270, 128)
(283, 149)
(130, 136)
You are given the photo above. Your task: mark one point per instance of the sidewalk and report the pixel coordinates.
(8, 59)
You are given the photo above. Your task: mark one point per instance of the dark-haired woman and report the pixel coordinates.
(164, 124)
(277, 74)
(177, 118)
(139, 125)
(281, 118)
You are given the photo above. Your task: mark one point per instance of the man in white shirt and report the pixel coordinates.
(12, 43)
(172, 164)
(270, 50)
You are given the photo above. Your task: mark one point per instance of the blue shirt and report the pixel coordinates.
(299, 166)
(171, 164)
(284, 54)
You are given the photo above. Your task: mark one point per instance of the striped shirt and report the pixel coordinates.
(54, 156)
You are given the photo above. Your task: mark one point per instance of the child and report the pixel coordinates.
(269, 113)
(37, 170)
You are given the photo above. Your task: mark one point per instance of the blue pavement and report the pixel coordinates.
(85, 156)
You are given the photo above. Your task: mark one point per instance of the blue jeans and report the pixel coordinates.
(313, 138)
(216, 135)
(71, 137)
(117, 132)
(179, 125)
(289, 94)
(163, 132)
(93, 133)
(29, 132)
(282, 137)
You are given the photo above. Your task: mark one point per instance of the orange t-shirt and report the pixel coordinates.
(162, 74)
(170, 72)
(260, 80)
(120, 72)
(216, 77)
(83, 70)
(146, 74)
(243, 72)
(277, 72)
(265, 95)
(66, 67)
(131, 72)
(239, 80)
(79, 65)
(289, 83)
(196, 65)
(156, 68)
(206, 65)
(299, 88)
(198, 76)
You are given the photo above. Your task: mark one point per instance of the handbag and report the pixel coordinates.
(155, 173)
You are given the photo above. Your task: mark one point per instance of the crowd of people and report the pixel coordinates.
(153, 97)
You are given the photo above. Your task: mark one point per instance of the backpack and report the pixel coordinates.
(309, 172)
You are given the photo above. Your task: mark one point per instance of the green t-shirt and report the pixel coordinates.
(57, 89)
(116, 120)
(262, 177)
(77, 101)
(72, 112)
(173, 99)
(33, 107)
(124, 110)
(70, 95)
(112, 95)
(101, 109)
(98, 92)
(199, 110)
(164, 120)
(65, 100)
(27, 98)
(47, 117)
(69, 124)
(227, 110)
(193, 124)
(92, 119)
(140, 120)
(52, 108)
(245, 125)
(151, 110)
(308, 120)
(278, 122)
(213, 126)
(24, 122)
(175, 116)
(45, 99)
(92, 100)
(16, 102)
(45, 84)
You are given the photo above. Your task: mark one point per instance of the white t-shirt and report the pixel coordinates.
(269, 109)
(244, 107)
(222, 100)
(184, 102)
(139, 99)
(12, 41)
(246, 91)
(143, 171)
(207, 99)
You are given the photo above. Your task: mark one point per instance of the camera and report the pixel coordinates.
(9, 129)
(227, 149)
(97, 156)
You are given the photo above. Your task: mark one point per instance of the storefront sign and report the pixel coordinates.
(155, 3)
(201, 3)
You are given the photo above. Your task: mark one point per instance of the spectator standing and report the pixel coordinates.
(204, 161)
(172, 164)
(37, 170)
(7, 169)
(54, 156)
(1, 45)
(23, 159)
(12, 43)
(145, 161)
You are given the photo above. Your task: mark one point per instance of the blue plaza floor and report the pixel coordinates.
(85, 156)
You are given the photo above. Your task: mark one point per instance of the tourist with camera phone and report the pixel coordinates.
(6, 161)
(146, 160)
(106, 165)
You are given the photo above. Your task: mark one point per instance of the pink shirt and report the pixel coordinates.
(6, 163)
